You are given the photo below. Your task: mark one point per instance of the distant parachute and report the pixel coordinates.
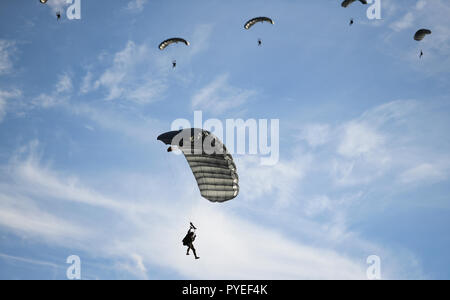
(167, 42)
(421, 33)
(210, 162)
(43, 1)
(253, 21)
(348, 2)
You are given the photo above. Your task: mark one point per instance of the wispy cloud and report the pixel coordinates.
(29, 261)
(60, 94)
(375, 145)
(152, 230)
(4, 97)
(21, 215)
(130, 76)
(7, 49)
(136, 5)
(425, 172)
(64, 84)
(405, 22)
(219, 96)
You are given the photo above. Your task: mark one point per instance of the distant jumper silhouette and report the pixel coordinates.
(189, 239)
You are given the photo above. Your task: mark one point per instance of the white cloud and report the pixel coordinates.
(379, 144)
(4, 97)
(361, 153)
(29, 261)
(359, 139)
(136, 5)
(405, 22)
(125, 80)
(23, 216)
(366, 150)
(64, 84)
(219, 96)
(44, 182)
(7, 49)
(315, 134)
(424, 172)
(200, 38)
(421, 4)
(86, 84)
(147, 232)
(280, 181)
(137, 127)
(60, 94)
(317, 205)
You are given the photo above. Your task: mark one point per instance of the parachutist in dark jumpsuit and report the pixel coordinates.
(189, 239)
(174, 64)
(259, 42)
(58, 15)
(351, 22)
(421, 54)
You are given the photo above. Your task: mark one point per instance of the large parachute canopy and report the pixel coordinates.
(167, 42)
(346, 3)
(421, 33)
(253, 21)
(213, 167)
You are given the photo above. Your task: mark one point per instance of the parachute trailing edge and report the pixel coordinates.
(213, 167)
(253, 21)
(170, 41)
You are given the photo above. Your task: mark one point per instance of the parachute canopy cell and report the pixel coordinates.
(346, 3)
(421, 33)
(253, 21)
(167, 42)
(213, 167)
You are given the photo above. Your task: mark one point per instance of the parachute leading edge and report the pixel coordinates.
(253, 21)
(170, 41)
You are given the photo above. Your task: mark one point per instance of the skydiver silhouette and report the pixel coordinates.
(58, 15)
(259, 42)
(421, 54)
(351, 22)
(189, 239)
(174, 64)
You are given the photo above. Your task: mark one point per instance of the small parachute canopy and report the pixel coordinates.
(167, 42)
(43, 1)
(253, 21)
(346, 3)
(213, 167)
(421, 33)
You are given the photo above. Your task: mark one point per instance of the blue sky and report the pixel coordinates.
(364, 150)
